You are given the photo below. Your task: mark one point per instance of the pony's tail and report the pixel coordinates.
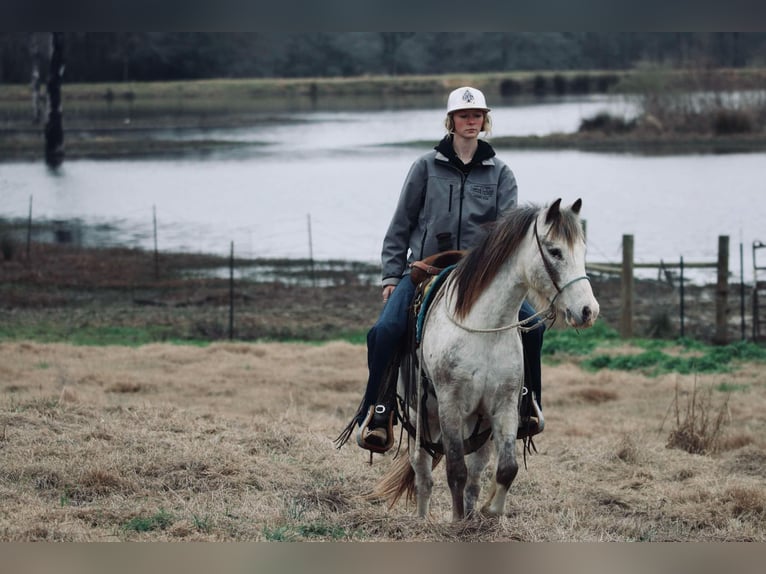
(398, 481)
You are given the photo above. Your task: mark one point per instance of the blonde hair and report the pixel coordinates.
(486, 126)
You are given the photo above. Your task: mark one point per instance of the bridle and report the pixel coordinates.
(548, 314)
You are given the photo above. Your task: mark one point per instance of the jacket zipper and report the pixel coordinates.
(460, 211)
(450, 198)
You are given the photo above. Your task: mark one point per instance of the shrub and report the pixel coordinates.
(539, 85)
(559, 85)
(606, 123)
(7, 247)
(726, 122)
(580, 84)
(510, 87)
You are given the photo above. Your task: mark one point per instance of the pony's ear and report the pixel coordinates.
(554, 211)
(576, 206)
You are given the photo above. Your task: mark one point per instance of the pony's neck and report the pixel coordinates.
(499, 304)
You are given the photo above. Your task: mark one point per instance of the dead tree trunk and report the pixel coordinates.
(35, 83)
(54, 130)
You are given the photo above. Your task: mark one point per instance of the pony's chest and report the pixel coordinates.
(479, 360)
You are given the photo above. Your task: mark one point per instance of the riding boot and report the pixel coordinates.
(531, 421)
(376, 433)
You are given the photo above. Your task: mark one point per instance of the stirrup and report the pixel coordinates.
(376, 433)
(531, 425)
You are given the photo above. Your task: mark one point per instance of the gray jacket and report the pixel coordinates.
(440, 208)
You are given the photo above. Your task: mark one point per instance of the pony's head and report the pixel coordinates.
(547, 248)
(555, 264)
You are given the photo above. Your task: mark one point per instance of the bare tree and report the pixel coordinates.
(35, 82)
(54, 130)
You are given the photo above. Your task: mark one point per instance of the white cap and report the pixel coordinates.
(466, 98)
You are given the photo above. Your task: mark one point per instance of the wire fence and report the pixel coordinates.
(733, 303)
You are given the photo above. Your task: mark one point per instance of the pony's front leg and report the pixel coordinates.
(477, 462)
(507, 467)
(422, 464)
(457, 472)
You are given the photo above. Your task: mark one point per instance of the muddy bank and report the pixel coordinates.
(63, 290)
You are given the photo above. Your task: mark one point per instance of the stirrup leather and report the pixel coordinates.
(379, 420)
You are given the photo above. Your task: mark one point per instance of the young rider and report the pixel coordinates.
(448, 196)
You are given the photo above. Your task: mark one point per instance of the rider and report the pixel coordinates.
(449, 195)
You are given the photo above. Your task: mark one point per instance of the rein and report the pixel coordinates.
(549, 313)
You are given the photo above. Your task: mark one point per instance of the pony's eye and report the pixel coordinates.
(555, 252)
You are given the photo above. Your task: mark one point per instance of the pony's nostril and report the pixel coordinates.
(586, 314)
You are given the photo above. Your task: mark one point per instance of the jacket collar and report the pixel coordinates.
(446, 153)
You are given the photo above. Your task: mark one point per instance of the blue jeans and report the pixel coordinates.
(388, 334)
(385, 338)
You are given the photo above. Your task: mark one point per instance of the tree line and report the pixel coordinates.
(148, 56)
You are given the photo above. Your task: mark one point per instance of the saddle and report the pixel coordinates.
(429, 267)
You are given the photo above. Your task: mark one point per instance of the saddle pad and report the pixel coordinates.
(430, 291)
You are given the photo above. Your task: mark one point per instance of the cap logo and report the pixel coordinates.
(468, 97)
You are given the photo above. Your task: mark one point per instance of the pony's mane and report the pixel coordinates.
(481, 265)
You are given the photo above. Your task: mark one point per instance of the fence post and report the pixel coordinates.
(156, 251)
(722, 290)
(742, 291)
(626, 318)
(231, 293)
(29, 228)
(681, 294)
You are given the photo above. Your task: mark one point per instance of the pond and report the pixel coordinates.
(325, 184)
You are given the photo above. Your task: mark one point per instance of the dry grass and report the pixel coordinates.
(699, 429)
(233, 442)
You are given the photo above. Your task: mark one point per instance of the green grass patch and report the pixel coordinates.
(731, 387)
(578, 342)
(313, 531)
(687, 356)
(94, 335)
(322, 531)
(353, 337)
(105, 335)
(159, 521)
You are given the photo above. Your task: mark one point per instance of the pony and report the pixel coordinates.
(469, 364)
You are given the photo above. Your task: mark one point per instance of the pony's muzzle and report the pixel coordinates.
(585, 318)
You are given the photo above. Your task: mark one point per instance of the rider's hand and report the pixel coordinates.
(387, 290)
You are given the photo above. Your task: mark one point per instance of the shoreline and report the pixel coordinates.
(111, 146)
(112, 120)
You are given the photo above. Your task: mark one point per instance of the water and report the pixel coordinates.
(327, 172)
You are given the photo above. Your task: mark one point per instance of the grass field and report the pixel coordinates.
(112, 430)
(233, 442)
